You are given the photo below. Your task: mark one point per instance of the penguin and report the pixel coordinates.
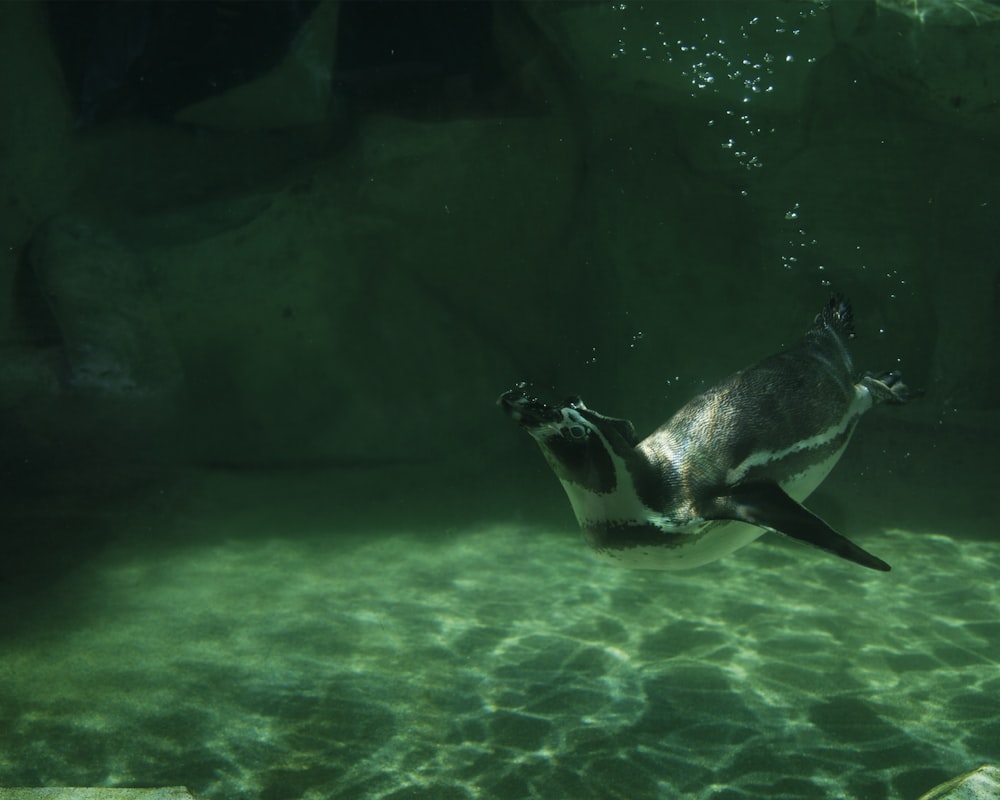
(731, 464)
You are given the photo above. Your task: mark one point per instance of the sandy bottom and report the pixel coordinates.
(501, 662)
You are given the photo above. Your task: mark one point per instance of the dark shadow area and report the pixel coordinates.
(150, 58)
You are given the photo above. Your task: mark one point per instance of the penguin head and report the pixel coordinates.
(578, 442)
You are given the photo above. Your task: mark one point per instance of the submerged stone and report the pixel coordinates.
(980, 784)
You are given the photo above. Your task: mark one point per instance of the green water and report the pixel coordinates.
(245, 658)
(264, 270)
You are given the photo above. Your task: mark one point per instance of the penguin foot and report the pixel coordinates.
(889, 388)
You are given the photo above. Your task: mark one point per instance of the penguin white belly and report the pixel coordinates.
(695, 548)
(671, 547)
(719, 538)
(800, 486)
(687, 550)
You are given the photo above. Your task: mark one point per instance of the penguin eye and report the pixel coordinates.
(576, 432)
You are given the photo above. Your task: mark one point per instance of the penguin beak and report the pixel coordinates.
(528, 412)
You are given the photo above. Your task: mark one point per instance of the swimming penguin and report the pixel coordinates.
(733, 463)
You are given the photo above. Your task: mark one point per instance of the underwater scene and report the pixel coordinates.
(500, 400)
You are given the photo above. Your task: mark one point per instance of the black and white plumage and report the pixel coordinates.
(734, 462)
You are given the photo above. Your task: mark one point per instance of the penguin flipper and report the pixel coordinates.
(766, 505)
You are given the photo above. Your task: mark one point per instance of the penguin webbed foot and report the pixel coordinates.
(889, 388)
(766, 505)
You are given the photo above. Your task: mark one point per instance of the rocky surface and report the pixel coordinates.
(979, 784)
(634, 190)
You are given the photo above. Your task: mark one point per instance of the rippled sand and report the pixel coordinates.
(505, 662)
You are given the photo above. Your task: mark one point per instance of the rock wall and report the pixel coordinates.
(650, 197)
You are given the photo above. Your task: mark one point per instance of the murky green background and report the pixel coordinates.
(264, 533)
